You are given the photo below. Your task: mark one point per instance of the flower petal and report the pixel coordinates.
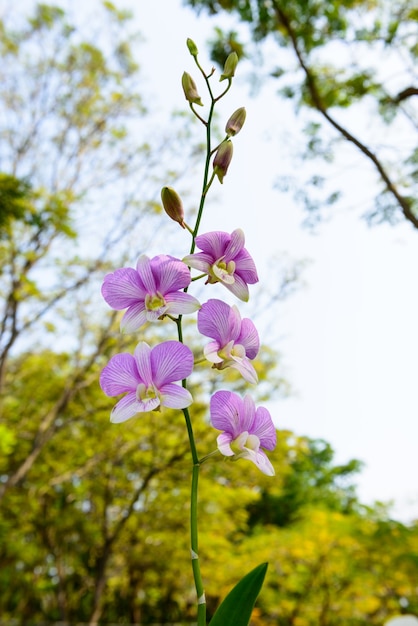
(239, 288)
(245, 368)
(171, 361)
(175, 397)
(213, 243)
(235, 245)
(122, 288)
(259, 459)
(180, 303)
(170, 274)
(134, 318)
(144, 269)
(126, 408)
(199, 261)
(248, 414)
(225, 409)
(154, 316)
(224, 440)
(119, 375)
(265, 429)
(245, 267)
(149, 404)
(248, 337)
(211, 352)
(214, 320)
(142, 355)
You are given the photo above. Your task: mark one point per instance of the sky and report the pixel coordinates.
(349, 335)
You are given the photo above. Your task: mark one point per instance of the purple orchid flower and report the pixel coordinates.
(245, 428)
(147, 377)
(235, 340)
(149, 292)
(224, 259)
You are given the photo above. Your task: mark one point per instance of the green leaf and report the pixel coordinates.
(237, 607)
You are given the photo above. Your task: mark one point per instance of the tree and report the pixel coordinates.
(311, 480)
(350, 61)
(69, 106)
(330, 569)
(105, 504)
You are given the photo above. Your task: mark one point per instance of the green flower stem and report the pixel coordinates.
(189, 426)
(194, 544)
(187, 227)
(208, 124)
(199, 277)
(205, 186)
(207, 182)
(201, 599)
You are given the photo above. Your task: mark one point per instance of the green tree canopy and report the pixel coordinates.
(104, 534)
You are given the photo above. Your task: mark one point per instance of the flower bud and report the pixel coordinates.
(230, 66)
(222, 159)
(173, 205)
(235, 122)
(190, 89)
(192, 47)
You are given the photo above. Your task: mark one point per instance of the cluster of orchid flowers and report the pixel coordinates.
(157, 289)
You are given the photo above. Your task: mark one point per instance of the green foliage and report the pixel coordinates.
(223, 44)
(69, 94)
(14, 203)
(312, 480)
(105, 528)
(344, 58)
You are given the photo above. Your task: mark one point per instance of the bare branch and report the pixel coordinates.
(311, 82)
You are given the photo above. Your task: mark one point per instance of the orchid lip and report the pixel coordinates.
(153, 302)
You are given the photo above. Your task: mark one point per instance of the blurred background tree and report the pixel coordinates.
(349, 68)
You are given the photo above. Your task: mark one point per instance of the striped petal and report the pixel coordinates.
(175, 397)
(180, 303)
(126, 408)
(170, 274)
(122, 288)
(120, 375)
(142, 355)
(171, 361)
(133, 318)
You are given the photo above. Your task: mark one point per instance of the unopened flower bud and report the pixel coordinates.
(190, 89)
(235, 122)
(192, 47)
(230, 66)
(222, 159)
(173, 205)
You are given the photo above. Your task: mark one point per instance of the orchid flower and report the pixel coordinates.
(224, 259)
(246, 429)
(147, 377)
(235, 340)
(150, 291)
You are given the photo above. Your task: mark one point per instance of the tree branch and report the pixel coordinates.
(402, 201)
(406, 93)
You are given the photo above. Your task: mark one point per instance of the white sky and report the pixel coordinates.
(349, 338)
